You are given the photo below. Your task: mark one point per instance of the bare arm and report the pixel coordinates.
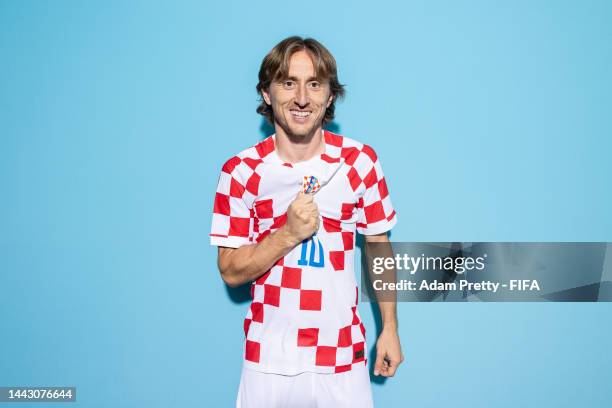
(388, 348)
(247, 263)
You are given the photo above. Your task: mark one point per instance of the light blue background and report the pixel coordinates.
(491, 119)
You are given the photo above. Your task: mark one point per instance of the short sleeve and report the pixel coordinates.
(375, 212)
(232, 219)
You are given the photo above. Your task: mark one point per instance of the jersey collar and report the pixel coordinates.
(327, 156)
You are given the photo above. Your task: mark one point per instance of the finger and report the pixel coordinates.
(311, 214)
(390, 372)
(309, 205)
(392, 368)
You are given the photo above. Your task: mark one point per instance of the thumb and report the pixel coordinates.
(302, 196)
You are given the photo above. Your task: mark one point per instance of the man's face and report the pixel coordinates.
(299, 101)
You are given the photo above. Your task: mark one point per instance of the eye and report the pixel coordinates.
(315, 84)
(288, 83)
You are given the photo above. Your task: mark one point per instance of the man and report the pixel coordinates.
(285, 215)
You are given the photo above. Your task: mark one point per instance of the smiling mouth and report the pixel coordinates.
(300, 114)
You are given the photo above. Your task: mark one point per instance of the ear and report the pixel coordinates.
(266, 96)
(330, 100)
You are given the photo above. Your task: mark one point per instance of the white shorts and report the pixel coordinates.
(306, 390)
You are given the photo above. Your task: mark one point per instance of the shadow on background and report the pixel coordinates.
(241, 294)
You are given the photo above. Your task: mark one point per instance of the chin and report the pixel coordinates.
(302, 132)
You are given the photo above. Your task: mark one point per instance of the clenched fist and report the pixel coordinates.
(302, 217)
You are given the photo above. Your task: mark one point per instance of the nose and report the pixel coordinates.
(301, 96)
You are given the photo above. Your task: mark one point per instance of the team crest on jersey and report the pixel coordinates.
(310, 185)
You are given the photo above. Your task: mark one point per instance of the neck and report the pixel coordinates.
(294, 149)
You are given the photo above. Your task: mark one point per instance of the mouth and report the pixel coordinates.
(300, 115)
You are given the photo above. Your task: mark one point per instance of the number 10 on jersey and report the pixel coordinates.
(312, 253)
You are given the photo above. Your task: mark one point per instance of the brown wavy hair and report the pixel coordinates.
(275, 66)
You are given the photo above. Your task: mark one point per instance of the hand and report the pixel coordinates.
(388, 353)
(302, 217)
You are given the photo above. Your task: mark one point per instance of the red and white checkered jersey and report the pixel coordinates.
(303, 316)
